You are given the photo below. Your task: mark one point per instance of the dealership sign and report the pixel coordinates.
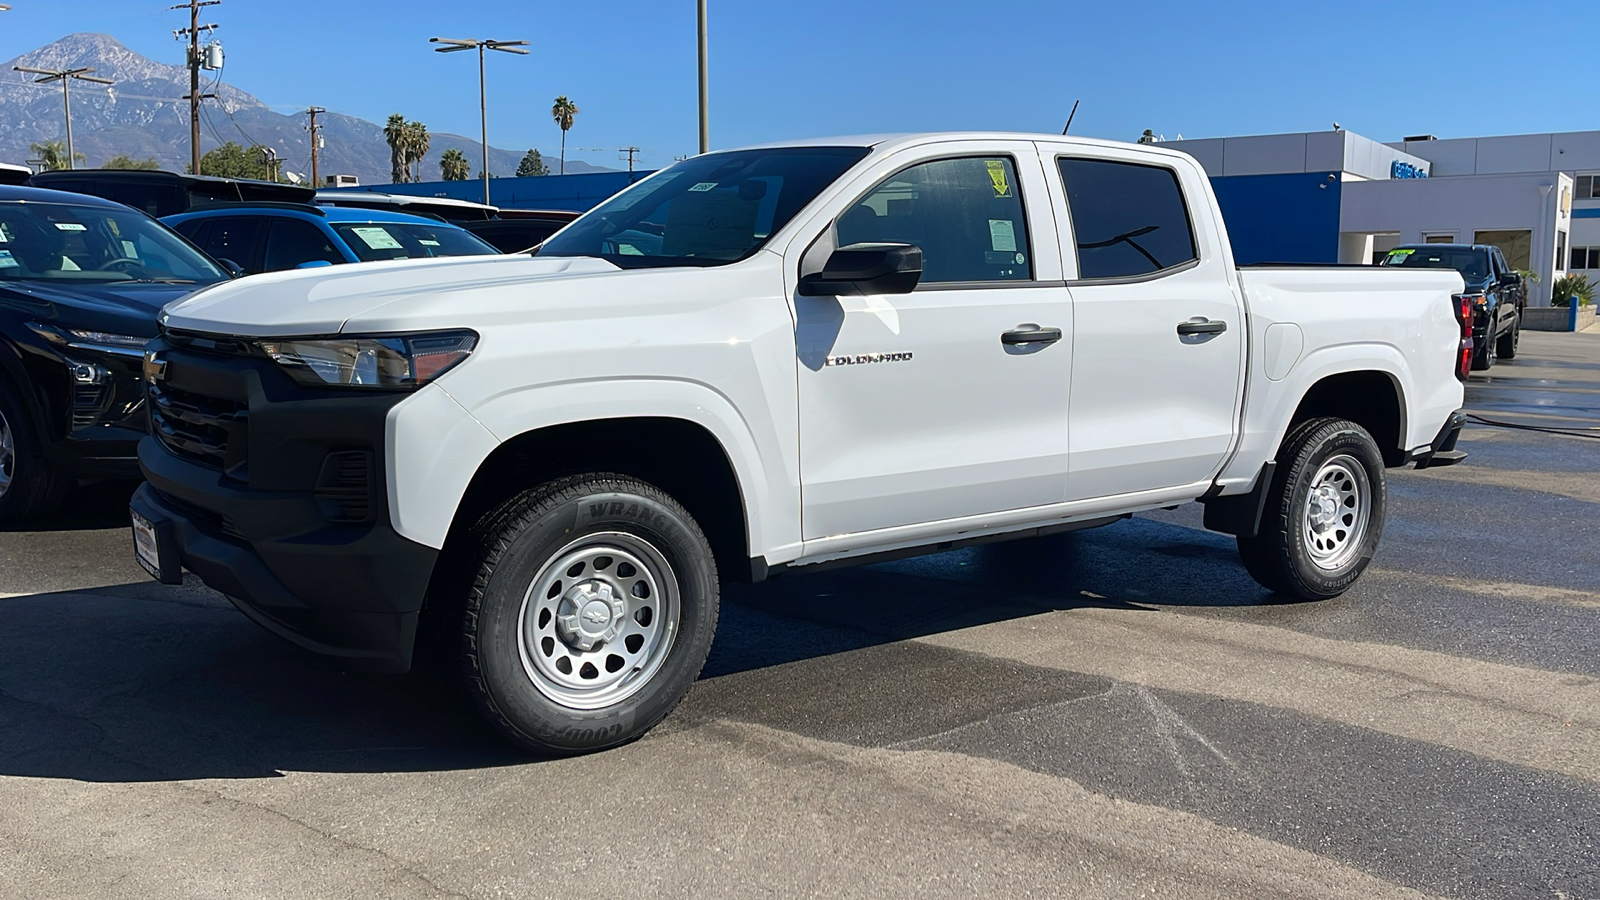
(1398, 169)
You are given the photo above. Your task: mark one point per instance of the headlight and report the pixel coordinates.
(398, 362)
(102, 341)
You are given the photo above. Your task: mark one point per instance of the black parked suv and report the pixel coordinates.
(168, 193)
(81, 283)
(1497, 292)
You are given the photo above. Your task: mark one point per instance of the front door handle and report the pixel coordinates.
(1201, 325)
(1030, 334)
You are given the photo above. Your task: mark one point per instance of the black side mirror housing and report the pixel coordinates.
(1511, 279)
(866, 269)
(231, 267)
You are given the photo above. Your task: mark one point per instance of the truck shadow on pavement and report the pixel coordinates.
(137, 683)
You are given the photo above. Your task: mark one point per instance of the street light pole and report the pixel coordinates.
(452, 45)
(705, 103)
(65, 76)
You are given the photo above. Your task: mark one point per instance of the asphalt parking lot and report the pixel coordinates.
(1116, 713)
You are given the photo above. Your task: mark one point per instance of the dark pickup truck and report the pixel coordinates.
(1497, 291)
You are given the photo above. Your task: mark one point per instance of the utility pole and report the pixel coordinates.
(194, 98)
(705, 103)
(65, 76)
(316, 144)
(630, 151)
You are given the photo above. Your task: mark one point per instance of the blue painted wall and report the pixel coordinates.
(579, 193)
(1281, 218)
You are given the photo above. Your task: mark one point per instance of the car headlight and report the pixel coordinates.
(102, 341)
(389, 362)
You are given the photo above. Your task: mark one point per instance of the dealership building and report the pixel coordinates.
(1335, 196)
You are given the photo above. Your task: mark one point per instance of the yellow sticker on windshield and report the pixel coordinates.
(998, 177)
(1401, 252)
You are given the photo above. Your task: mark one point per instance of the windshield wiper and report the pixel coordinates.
(164, 281)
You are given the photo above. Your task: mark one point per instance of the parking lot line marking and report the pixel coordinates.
(1536, 593)
(1561, 484)
(1529, 717)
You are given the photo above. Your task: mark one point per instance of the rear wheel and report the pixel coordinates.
(1324, 512)
(591, 611)
(28, 486)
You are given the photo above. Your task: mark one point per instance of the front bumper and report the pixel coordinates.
(295, 528)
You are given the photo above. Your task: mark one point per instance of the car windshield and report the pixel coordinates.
(1472, 264)
(405, 240)
(705, 211)
(68, 242)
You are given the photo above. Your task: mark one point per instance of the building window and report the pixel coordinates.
(1586, 187)
(1517, 245)
(1561, 250)
(1439, 237)
(1585, 258)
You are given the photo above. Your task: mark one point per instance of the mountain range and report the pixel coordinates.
(144, 115)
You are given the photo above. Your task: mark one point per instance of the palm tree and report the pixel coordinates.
(417, 140)
(394, 131)
(52, 155)
(453, 165)
(564, 111)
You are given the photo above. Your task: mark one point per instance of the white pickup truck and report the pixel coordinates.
(767, 360)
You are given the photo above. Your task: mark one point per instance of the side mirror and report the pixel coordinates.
(866, 269)
(231, 267)
(314, 264)
(1511, 279)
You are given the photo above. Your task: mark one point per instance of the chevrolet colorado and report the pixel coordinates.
(766, 360)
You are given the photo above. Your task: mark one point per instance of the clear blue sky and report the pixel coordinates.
(789, 69)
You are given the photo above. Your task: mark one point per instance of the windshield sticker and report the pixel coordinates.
(704, 186)
(1021, 259)
(376, 238)
(6, 260)
(427, 243)
(1401, 252)
(129, 251)
(1003, 235)
(71, 226)
(997, 176)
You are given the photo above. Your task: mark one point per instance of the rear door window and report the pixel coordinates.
(965, 214)
(1129, 220)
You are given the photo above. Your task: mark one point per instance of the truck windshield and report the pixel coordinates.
(67, 242)
(706, 211)
(1472, 264)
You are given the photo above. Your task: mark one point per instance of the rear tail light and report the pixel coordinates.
(1463, 305)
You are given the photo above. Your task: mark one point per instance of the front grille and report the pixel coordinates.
(207, 430)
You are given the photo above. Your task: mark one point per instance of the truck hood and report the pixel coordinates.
(324, 300)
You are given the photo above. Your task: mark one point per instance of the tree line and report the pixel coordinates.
(408, 144)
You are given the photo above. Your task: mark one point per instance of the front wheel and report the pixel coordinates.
(1324, 512)
(29, 488)
(1506, 348)
(1483, 358)
(592, 609)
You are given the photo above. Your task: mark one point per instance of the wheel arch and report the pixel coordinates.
(1373, 398)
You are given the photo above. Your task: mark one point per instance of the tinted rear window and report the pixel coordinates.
(1128, 219)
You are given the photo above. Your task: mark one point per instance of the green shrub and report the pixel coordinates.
(1563, 289)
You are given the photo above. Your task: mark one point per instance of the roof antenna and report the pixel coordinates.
(1070, 115)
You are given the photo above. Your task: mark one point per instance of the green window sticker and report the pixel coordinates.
(1401, 252)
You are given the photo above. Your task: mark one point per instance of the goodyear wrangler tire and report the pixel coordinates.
(1324, 512)
(591, 612)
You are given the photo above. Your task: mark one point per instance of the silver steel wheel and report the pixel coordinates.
(1337, 509)
(8, 454)
(598, 620)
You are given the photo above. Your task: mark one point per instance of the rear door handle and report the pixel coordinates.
(1030, 334)
(1201, 325)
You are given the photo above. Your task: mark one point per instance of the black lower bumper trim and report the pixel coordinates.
(1443, 452)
